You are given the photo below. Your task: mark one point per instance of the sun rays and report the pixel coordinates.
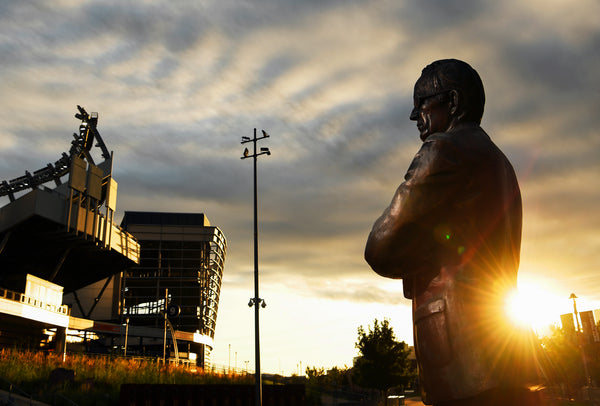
(535, 305)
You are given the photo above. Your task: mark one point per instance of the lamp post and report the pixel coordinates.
(579, 334)
(256, 301)
(165, 327)
(126, 334)
(574, 296)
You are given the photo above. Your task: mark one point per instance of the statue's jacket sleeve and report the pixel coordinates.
(459, 205)
(452, 233)
(410, 236)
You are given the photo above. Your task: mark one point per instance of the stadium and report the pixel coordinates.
(71, 279)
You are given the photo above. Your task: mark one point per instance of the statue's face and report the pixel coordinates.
(431, 114)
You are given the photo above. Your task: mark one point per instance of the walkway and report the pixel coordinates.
(414, 401)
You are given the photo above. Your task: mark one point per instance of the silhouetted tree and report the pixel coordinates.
(383, 361)
(320, 381)
(563, 364)
(337, 376)
(314, 382)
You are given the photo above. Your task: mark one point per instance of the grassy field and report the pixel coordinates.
(97, 380)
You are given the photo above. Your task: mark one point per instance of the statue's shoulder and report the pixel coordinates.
(460, 134)
(460, 149)
(440, 143)
(461, 140)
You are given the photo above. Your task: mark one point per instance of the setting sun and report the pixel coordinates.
(532, 305)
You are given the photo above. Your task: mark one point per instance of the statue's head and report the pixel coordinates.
(448, 92)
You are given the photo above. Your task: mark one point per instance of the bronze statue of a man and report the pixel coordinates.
(453, 233)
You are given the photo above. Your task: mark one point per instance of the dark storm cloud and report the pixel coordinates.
(437, 15)
(552, 63)
(369, 136)
(272, 69)
(177, 27)
(559, 72)
(360, 294)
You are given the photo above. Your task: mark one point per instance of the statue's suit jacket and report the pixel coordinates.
(453, 234)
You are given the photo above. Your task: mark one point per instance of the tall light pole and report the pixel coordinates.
(574, 296)
(256, 301)
(126, 334)
(579, 334)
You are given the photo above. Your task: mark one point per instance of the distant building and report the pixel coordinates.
(181, 256)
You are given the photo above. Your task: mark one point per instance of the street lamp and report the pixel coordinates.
(256, 301)
(580, 339)
(126, 334)
(574, 296)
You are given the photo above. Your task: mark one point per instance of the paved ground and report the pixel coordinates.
(16, 400)
(414, 401)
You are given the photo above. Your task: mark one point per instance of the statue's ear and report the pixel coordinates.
(454, 99)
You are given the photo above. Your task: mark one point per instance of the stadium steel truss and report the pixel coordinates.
(66, 234)
(56, 240)
(80, 148)
(57, 232)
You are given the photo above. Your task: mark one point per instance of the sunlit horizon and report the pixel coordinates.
(539, 305)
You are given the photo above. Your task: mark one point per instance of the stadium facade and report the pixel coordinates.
(71, 277)
(181, 268)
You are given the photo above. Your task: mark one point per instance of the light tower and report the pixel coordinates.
(256, 301)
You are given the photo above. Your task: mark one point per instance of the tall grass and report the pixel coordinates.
(97, 379)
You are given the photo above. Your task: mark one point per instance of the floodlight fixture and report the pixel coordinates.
(265, 134)
(246, 139)
(265, 150)
(246, 153)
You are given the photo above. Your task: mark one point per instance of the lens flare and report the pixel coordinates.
(532, 306)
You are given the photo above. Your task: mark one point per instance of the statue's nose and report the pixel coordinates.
(414, 114)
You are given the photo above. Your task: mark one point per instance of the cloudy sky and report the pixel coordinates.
(178, 83)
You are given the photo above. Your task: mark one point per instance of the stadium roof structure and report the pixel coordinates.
(65, 234)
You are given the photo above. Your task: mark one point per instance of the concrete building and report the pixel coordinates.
(179, 274)
(181, 268)
(57, 240)
(70, 276)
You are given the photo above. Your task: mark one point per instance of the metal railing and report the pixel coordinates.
(12, 388)
(64, 399)
(28, 300)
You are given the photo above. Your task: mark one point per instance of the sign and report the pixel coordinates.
(568, 324)
(590, 331)
(173, 310)
(108, 327)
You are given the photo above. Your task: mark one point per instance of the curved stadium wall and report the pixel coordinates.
(181, 260)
